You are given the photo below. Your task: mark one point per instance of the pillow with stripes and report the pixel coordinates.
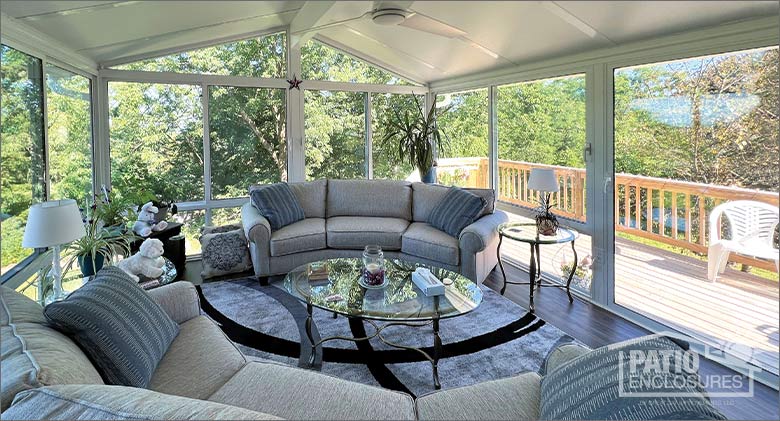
(456, 210)
(277, 203)
(121, 329)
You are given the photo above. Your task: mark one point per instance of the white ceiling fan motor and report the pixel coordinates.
(389, 17)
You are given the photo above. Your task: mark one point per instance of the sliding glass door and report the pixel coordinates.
(695, 175)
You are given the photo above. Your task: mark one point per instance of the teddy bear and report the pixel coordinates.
(147, 262)
(144, 225)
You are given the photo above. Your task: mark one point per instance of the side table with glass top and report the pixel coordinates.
(527, 233)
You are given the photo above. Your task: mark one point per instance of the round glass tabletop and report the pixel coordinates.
(399, 300)
(526, 232)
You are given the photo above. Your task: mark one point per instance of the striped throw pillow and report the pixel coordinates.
(277, 203)
(602, 385)
(123, 332)
(456, 210)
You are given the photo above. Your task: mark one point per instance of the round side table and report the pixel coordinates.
(527, 233)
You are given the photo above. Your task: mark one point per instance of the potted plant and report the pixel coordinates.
(164, 207)
(111, 211)
(99, 244)
(417, 137)
(546, 222)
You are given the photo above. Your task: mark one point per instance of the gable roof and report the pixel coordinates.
(494, 34)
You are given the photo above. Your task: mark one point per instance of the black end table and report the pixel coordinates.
(527, 233)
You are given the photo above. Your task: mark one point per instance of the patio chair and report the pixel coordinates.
(751, 225)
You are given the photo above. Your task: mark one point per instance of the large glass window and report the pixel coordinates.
(335, 134)
(321, 62)
(69, 120)
(247, 136)
(541, 124)
(464, 160)
(386, 162)
(156, 134)
(258, 57)
(21, 129)
(696, 157)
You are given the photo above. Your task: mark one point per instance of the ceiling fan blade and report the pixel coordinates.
(333, 24)
(424, 23)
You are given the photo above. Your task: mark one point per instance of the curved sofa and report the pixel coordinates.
(343, 216)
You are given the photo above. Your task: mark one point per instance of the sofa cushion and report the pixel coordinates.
(17, 308)
(591, 386)
(305, 235)
(298, 394)
(514, 398)
(456, 210)
(91, 402)
(423, 240)
(355, 232)
(224, 252)
(277, 203)
(199, 361)
(33, 354)
(426, 196)
(124, 332)
(385, 198)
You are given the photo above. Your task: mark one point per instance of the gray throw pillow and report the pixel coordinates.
(224, 251)
(277, 203)
(121, 329)
(589, 387)
(456, 210)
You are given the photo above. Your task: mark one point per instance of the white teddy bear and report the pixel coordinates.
(147, 262)
(145, 223)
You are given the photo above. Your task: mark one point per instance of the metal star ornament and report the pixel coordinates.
(295, 82)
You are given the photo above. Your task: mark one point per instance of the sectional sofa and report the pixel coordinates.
(343, 216)
(203, 375)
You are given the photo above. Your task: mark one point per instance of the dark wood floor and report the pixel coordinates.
(595, 327)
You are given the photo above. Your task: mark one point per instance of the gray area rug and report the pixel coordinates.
(499, 339)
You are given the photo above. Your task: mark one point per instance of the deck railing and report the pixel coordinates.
(669, 211)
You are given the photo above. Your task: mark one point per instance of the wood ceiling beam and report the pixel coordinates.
(312, 14)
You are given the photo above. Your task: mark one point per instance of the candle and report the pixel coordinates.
(373, 268)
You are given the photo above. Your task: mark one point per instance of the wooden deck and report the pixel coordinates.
(738, 313)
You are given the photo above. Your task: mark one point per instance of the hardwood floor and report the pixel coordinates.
(597, 327)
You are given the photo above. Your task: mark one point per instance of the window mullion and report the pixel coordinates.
(369, 137)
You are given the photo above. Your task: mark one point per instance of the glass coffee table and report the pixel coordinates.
(399, 303)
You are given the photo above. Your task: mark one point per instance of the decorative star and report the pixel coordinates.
(294, 82)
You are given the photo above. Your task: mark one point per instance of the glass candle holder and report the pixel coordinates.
(373, 266)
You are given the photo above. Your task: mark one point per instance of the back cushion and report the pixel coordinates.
(386, 198)
(427, 196)
(33, 354)
(310, 194)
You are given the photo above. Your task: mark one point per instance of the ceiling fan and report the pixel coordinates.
(386, 13)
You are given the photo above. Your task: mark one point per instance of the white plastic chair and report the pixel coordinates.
(752, 227)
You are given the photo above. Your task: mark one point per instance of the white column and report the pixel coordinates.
(296, 144)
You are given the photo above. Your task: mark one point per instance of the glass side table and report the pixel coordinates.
(526, 232)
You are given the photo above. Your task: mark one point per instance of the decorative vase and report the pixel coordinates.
(429, 177)
(546, 225)
(373, 266)
(88, 267)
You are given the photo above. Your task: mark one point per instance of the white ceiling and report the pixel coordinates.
(518, 32)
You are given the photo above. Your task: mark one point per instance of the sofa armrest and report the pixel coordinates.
(561, 355)
(256, 227)
(179, 299)
(475, 237)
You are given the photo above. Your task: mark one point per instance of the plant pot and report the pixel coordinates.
(86, 264)
(429, 177)
(161, 215)
(546, 226)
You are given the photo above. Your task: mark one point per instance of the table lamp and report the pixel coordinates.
(544, 180)
(53, 224)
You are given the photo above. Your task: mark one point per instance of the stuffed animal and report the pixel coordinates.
(145, 223)
(147, 262)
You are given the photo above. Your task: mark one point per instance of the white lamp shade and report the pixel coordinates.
(543, 179)
(53, 223)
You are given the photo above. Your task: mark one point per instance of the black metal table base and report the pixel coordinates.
(437, 346)
(535, 279)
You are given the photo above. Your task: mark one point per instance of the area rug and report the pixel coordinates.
(499, 339)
